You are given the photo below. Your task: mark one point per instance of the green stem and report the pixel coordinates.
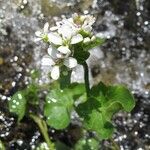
(86, 79)
(43, 128)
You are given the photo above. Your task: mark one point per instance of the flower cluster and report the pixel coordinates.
(62, 38)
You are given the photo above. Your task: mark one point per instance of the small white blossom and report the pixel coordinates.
(93, 38)
(52, 51)
(64, 50)
(55, 38)
(86, 40)
(42, 34)
(70, 62)
(47, 61)
(67, 31)
(55, 72)
(76, 39)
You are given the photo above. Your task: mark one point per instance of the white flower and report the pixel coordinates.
(42, 34)
(54, 69)
(52, 51)
(70, 62)
(64, 50)
(55, 72)
(76, 39)
(53, 64)
(61, 38)
(67, 30)
(55, 38)
(58, 53)
(86, 40)
(47, 61)
(83, 22)
(88, 22)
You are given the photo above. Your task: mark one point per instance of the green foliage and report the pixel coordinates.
(92, 44)
(104, 102)
(21, 99)
(81, 56)
(17, 104)
(59, 104)
(87, 144)
(81, 50)
(31, 94)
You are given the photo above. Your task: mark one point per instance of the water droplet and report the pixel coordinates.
(19, 96)
(146, 22)
(14, 106)
(54, 100)
(17, 103)
(14, 101)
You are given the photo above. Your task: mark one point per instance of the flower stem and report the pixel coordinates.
(86, 79)
(43, 128)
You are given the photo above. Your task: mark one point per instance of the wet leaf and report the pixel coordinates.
(59, 104)
(105, 101)
(31, 94)
(17, 104)
(57, 108)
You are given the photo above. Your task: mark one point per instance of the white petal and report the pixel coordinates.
(64, 50)
(52, 52)
(46, 26)
(70, 62)
(87, 28)
(55, 38)
(66, 31)
(86, 40)
(76, 39)
(47, 61)
(55, 73)
(93, 38)
(37, 39)
(38, 33)
(54, 28)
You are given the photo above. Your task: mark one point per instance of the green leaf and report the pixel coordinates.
(92, 44)
(105, 101)
(76, 90)
(93, 118)
(31, 94)
(87, 144)
(17, 104)
(57, 116)
(59, 104)
(58, 107)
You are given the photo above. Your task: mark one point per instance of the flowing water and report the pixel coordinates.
(124, 58)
